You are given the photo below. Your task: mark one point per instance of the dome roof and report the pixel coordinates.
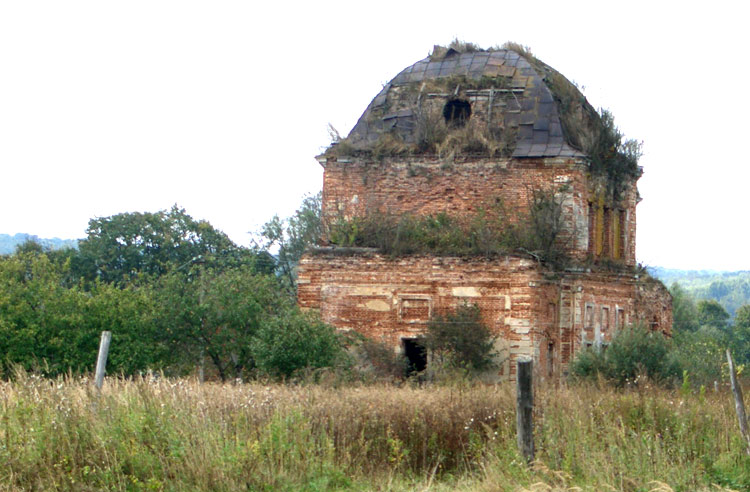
(511, 97)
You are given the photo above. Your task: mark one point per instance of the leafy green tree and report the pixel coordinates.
(711, 313)
(684, 312)
(292, 236)
(130, 313)
(461, 338)
(700, 335)
(634, 350)
(30, 246)
(125, 246)
(701, 352)
(52, 327)
(41, 318)
(293, 341)
(216, 313)
(741, 335)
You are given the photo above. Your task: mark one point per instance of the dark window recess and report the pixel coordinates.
(456, 112)
(416, 356)
(550, 359)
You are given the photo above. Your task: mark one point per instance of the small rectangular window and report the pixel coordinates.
(605, 320)
(616, 235)
(588, 321)
(620, 319)
(607, 246)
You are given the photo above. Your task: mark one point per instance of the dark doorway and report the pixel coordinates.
(416, 356)
(456, 112)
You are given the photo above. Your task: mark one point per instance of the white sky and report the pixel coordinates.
(220, 107)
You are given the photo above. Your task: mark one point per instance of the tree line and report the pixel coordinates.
(179, 295)
(176, 293)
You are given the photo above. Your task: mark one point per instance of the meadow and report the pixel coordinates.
(174, 435)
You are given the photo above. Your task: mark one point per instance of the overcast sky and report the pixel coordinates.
(221, 106)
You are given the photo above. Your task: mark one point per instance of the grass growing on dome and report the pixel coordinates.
(591, 131)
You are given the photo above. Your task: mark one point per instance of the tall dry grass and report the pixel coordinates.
(160, 434)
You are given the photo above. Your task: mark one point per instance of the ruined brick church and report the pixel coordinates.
(458, 133)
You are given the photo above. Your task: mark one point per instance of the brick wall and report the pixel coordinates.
(423, 186)
(535, 312)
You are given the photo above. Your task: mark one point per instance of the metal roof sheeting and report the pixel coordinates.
(540, 131)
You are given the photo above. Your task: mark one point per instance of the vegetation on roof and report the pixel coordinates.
(539, 233)
(593, 132)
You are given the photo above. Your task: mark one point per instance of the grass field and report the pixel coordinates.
(160, 434)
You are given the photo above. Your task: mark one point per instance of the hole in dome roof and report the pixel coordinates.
(456, 112)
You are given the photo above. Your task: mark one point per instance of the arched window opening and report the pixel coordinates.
(456, 112)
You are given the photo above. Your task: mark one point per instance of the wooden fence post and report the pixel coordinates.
(101, 361)
(525, 408)
(739, 403)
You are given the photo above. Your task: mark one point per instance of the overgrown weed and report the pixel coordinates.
(164, 434)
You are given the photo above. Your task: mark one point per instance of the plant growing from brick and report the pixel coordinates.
(461, 338)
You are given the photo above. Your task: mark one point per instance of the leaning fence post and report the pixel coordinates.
(101, 361)
(739, 404)
(524, 408)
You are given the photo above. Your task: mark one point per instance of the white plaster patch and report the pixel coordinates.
(518, 322)
(367, 291)
(466, 292)
(377, 305)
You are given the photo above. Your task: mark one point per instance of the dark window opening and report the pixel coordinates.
(605, 320)
(550, 359)
(456, 112)
(416, 356)
(607, 246)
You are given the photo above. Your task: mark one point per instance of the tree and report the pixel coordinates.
(125, 246)
(40, 318)
(741, 335)
(216, 313)
(293, 341)
(53, 327)
(130, 313)
(292, 236)
(461, 338)
(633, 350)
(684, 312)
(713, 314)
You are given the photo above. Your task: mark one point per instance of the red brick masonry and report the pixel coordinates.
(546, 315)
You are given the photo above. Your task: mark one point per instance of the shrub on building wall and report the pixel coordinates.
(461, 339)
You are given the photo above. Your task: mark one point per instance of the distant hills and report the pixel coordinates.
(8, 243)
(730, 289)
